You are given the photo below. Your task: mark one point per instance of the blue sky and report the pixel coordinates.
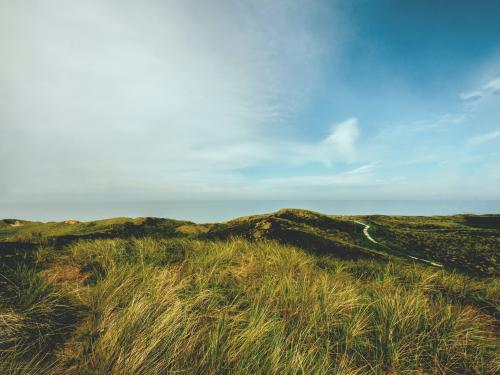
(120, 100)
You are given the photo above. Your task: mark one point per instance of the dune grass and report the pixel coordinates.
(466, 243)
(155, 306)
(35, 318)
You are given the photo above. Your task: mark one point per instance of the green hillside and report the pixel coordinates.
(12, 230)
(466, 243)
(290, 292)
(469, 243)
(312, 231)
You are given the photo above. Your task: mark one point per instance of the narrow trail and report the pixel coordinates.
(370, 238)
(365, 231)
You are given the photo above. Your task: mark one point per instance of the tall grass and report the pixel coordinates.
(35, 318)
(235, 307)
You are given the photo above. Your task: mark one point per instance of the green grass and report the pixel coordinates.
(292, 292)
(468, 243)
(31, 231)
(35, 319)
(150, 306)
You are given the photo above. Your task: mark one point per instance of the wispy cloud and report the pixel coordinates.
(471, 103)
(177, 98)
(487, 137)
(493, 86)
(471, 96)
(490, 88)
(153, 94)
(361, 176)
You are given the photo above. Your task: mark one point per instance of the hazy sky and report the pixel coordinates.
(150, 100)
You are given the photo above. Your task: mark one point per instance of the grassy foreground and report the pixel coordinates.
(205, 303)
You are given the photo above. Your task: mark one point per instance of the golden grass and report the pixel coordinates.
(238, 307)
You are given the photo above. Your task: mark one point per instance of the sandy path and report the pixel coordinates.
(370, 238)
(365, 231)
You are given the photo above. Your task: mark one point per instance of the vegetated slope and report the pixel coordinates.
(470, 243)
(155, 306)
(12, 230)
(481, 221)
(309, 230)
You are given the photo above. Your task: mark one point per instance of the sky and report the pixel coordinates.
(154, 100)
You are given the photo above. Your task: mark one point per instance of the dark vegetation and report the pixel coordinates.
(284, 293)
(320, 234)
(468, 243)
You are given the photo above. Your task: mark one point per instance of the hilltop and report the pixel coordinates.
(468, 243)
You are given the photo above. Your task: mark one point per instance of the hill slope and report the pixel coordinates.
(13, 230)
(309, 230)
(282, 293)
(468, 243)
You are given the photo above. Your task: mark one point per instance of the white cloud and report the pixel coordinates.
(361, 176)
(342, 141)
(340, 145)
(97, 97)
(479, 139)
(493, 85)
(368, 168)
(473, 95)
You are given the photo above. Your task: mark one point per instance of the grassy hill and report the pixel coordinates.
(12, 230)
(283, 293)
(469, 243)
(312, 231)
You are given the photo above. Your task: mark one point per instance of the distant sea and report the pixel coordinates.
(212, 211)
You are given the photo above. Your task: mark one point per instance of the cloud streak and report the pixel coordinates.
(480, 139)
(361, 176)
(99, 97)
(490, 88)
